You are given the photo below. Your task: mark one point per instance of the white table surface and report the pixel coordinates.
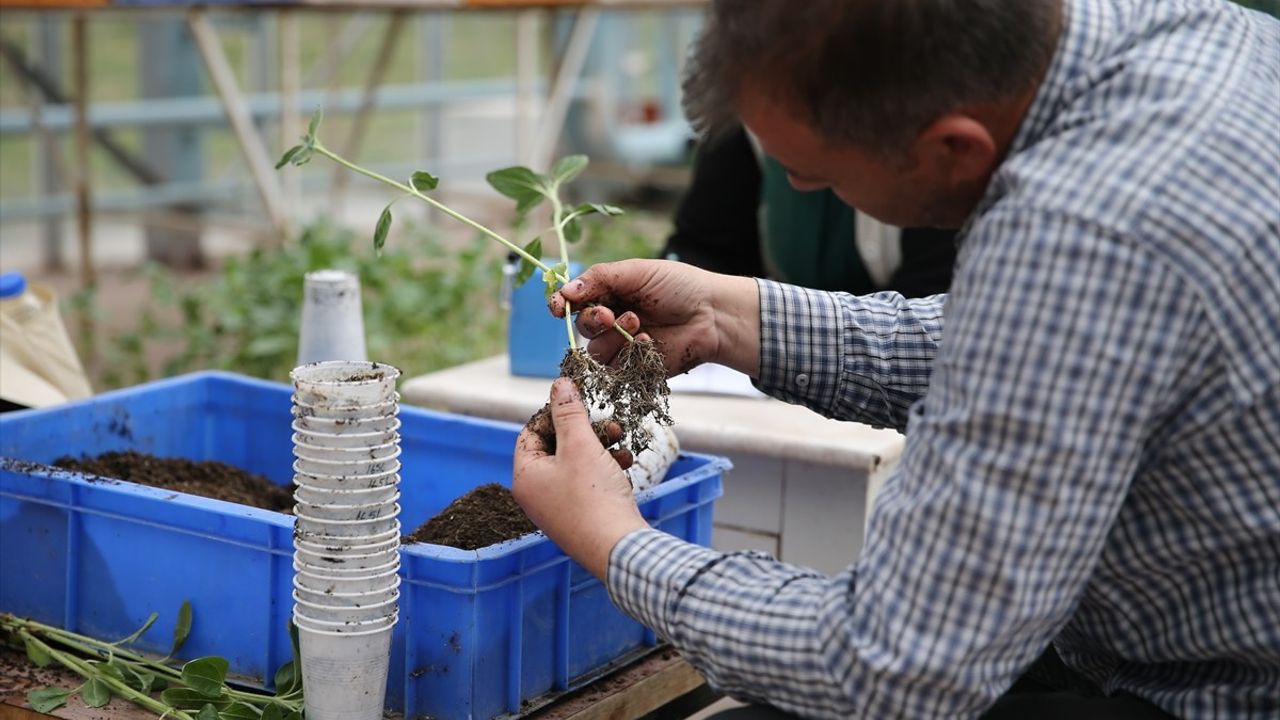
(707, 423)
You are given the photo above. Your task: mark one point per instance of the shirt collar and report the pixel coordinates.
(1078, 40)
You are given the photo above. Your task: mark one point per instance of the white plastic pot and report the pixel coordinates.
(343, 383)
(344, 674)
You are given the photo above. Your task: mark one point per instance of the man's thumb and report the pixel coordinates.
(567, 411)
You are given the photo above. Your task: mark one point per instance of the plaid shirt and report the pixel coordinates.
(1093, 444)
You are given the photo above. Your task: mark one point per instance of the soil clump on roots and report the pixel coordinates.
(485, 516)
(631, 392)
(211, 479)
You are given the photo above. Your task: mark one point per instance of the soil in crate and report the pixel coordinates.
(485, 516)
(210, 479)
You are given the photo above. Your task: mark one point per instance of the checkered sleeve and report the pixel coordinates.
(984, 539)
(852, 358)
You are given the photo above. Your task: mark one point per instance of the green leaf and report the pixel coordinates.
(288, 156)
(36, 652)
(423, 181)
(139, 680)
(151, 620)
(111, 669)
(572, 231)
(601, 208)
(188, 699)
(380, 232)
(304, 156)
(285, 677)
(294, 715)
(314, 125)
(568, 168)
(206, 675)
(46, 699)
(158, 682)
(239, 711)
(534, 248)
(521, 184)
(207, 712)
(550, 278)
(182, 628)
(271, 712)
(95, 693)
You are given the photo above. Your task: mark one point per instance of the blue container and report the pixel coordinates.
(536, 339)
(479, 632)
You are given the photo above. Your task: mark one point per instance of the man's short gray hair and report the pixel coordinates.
(868, 72)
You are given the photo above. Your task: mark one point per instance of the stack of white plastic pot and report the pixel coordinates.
(347, 535)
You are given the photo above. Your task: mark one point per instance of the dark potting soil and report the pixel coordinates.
(209, 479)
(485, 516)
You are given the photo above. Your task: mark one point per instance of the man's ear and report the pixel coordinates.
(958, 146)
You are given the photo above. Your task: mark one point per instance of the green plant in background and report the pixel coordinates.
(247, 318)
(528, 188)
(196, 691)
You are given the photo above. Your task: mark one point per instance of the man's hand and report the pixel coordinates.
(697, 316)
(579, 496)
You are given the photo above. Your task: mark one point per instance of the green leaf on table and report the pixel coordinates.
(111, 669)
(314, 126)
(188, 699)
(380, 232)
(206, 675)
(96, 693)
(239, 711)
(534, 248)
(45, 700)
(285, 678)
(36, 652)
(182, 628)
(151, 620)
(288, 156)
(207, 712)
(567, 168)
(422, 181)
(521, 184)
(271, 712)
(139, 680)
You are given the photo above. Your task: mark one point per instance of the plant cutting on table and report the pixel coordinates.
(196, 691)
(633, 390)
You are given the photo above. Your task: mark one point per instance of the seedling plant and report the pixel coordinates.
(197, 690)
(634, 389)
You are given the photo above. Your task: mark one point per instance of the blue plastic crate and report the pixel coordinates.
(479, 631)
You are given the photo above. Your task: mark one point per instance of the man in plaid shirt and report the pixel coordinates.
(1092, 415)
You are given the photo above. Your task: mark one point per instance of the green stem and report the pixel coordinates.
(87, 671)
(558, 224)
(439, 206)
(557, 210)
(90, 646)
(102, 650)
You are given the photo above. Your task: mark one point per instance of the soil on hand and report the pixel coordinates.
(209, 479)
(633, 390)
(485, 516)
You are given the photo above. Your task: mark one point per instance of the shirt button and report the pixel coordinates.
(802, 380)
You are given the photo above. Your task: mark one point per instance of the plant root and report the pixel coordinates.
(630, 393)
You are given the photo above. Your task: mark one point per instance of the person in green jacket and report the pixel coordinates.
(741, 216)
